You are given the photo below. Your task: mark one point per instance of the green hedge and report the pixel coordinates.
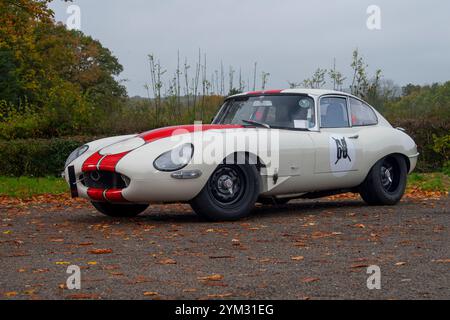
(37, 157)
(424, 131)
(46, 157)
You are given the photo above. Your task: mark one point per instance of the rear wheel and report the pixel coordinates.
(120, 210)
(229, 194)
(386, 182)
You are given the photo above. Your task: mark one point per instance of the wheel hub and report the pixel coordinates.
(387, 177)
(226, 185)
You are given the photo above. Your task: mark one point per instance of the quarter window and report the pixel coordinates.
(333, 112)
(361, 113)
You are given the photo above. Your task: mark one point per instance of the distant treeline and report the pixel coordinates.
(56, 83)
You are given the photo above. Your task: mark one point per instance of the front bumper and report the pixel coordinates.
(158, 186)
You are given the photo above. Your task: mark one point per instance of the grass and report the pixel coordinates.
(430, 181)
(26, 187)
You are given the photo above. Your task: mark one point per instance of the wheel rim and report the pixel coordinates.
(227, 185)
(389, 175)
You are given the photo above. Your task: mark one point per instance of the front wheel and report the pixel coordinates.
(386, 182)
(120, 210)
(229, 194)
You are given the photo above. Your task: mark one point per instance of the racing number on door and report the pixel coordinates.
(342, 153)
(341, 150)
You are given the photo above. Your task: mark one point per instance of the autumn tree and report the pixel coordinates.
(64, 75)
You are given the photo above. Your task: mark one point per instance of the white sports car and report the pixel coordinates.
(263, 146)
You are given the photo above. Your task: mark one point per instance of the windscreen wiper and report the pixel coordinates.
(256, 123)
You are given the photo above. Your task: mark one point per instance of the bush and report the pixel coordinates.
(18, 121)
(37, 157)
(426, 132)
(442, 147)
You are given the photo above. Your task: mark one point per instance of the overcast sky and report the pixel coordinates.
(288, 38)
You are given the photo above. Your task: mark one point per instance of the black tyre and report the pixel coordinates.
(229, 194)
(273, 201)
(120, 210)
(386, 182)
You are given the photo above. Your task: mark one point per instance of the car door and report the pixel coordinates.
(337, 146)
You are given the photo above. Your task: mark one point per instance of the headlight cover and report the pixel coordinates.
(175, 159)
(76, 153)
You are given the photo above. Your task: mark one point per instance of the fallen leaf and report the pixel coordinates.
(111, 267)
(62, 262)
(11, 294)
(150, 293)
(442, 261)
(401, 263)
(7, 232)
(300, 244)
(85, 243)
(213, 277)
(167, 261)
(100, 251)
(297, 258)
(30, 292)
(223, 295)
(41, 270)
(93, 263)
(221, 257)
(359, 225)
(140, 279)
(320, 234)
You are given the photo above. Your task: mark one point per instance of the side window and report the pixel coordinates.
(361, 113)
(333, 112)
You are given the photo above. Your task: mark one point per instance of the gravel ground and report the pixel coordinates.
(304, 250)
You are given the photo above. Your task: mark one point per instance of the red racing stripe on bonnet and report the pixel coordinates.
(109, 162)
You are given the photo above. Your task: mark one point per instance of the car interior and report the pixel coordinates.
(333, 113)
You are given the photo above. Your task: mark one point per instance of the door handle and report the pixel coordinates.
(356, 136)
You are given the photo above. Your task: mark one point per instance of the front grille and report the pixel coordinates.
(104, 180)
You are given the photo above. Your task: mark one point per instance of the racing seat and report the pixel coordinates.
(334, 117)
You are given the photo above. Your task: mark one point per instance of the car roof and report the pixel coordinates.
(311, 92)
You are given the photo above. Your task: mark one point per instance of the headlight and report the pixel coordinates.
(75, 154)
(175, 159)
